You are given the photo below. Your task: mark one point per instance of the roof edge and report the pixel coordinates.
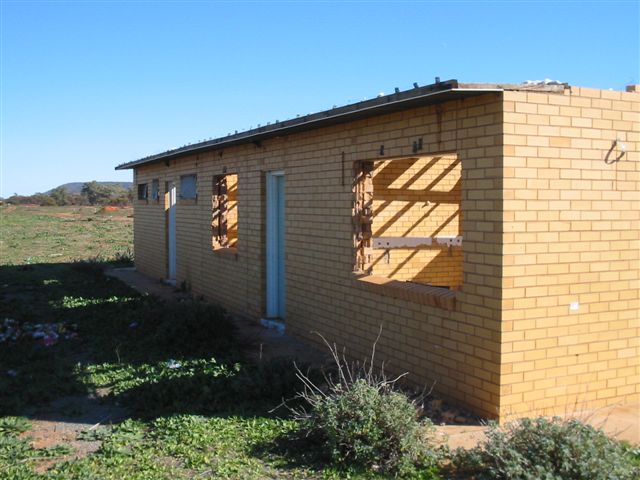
(399, 100)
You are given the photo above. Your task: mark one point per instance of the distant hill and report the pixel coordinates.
(75, 188)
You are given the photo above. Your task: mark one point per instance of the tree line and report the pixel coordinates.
(92, 193)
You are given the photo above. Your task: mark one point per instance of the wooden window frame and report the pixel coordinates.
(143, 192)
(362, 215)
(191, 200)
(219, 214)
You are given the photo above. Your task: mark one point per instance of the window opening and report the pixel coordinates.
(143, 190)
(407, 220)
(224, 211)
(155, 190)
(188, 187)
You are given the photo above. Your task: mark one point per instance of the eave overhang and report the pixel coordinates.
(420, 96)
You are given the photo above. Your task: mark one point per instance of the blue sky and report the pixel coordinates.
(88, 85)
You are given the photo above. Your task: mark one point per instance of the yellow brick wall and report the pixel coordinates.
(149, 226)
(418, 197)
(571, 234)
(459, 350)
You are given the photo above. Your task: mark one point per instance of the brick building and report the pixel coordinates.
(491, 230)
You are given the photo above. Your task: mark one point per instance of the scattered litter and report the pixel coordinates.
(12, 373)
(50, 339)
(173, 364)
(48, 333)
(133, 325)
(9, 330)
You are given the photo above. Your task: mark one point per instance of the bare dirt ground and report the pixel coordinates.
(64, 215)
(64, 420)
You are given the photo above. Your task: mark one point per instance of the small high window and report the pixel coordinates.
(143, 191)
(155, 190)
(188, 187)
(224, 212)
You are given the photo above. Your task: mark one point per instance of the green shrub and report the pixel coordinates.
(367, 426)
(543, 448)
(361, 420)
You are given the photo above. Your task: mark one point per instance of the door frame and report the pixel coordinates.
(275, 291)
(171, 251)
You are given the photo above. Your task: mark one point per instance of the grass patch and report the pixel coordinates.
(197, 406)
(32, 235)
(169, 363)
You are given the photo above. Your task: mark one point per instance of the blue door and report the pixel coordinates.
(275, 223)
(170, 188)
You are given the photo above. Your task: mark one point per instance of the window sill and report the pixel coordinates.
(411, 292)
(230, 252)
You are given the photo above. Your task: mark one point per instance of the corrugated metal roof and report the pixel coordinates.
(435, 93)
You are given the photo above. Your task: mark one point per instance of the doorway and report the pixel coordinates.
(275, 264)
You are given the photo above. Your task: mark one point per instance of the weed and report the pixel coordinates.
(124, 257)
(12, 426)
(97, 434)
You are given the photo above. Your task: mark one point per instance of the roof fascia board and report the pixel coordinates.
(390, 103)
